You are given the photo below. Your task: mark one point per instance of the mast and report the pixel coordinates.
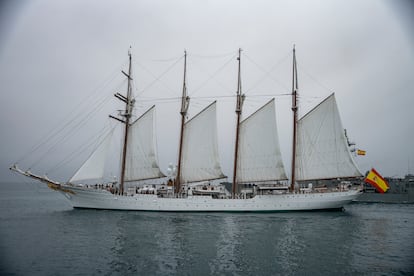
(239, 104)
(127, 115)
(185, 100)
(295, 118)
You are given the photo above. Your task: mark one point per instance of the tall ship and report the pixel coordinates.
(259, 184)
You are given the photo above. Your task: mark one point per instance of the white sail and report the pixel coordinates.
(94, 166)
(200, 158)
(322, 150)
(259, 151)
(141, 158)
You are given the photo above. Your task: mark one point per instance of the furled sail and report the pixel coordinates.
(141, 158)
(259, 151)
(322, 150)
(94, 166)
(200, 158)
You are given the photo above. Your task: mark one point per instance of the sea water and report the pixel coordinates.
(40, 234)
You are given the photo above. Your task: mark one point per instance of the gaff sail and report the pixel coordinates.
(200, 157)
(141, 158)
(322, 149)
(259, 151)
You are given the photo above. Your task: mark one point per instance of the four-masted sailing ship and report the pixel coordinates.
(320, 152)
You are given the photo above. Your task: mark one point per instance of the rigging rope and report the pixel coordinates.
(48, 136)
(165, 59)
(70, 134)
(267, 73)
(157, 78)
(314, 79)
(94, 141)
(211, 76)
(214, 97)
(233, 53)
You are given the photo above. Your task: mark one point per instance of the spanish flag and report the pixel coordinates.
(376, 180)
(361, 152)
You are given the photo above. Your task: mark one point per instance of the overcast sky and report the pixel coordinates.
(61, 60)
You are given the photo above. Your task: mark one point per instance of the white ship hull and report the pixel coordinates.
(101, 199)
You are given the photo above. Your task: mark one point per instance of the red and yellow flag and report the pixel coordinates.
(361, 152)
(376, 180)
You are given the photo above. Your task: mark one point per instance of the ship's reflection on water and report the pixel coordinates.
(234, 243)
(365, 239)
